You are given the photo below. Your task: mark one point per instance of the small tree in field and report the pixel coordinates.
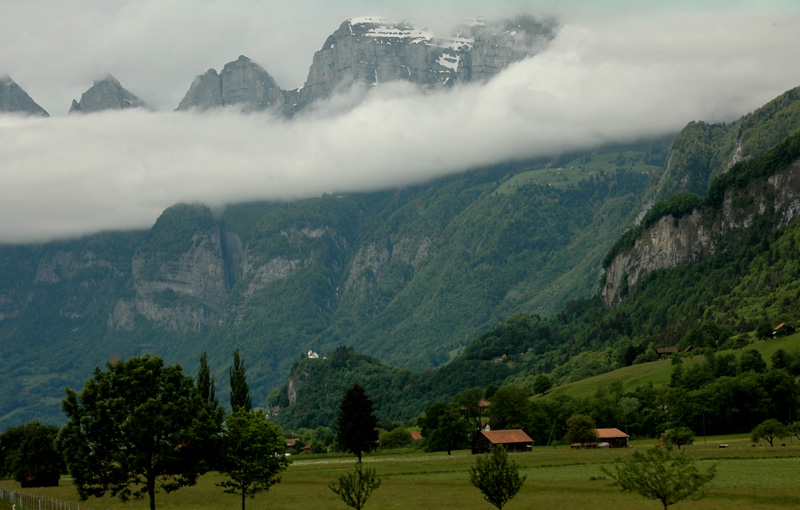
(496, 477)
(770, 430)
(658, 474)
(679, 436)
(355, 488)
(252, 454)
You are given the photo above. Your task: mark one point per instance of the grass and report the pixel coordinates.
(577, 170)
(659, 372)
(758, 478)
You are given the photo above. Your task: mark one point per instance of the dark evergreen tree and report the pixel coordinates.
(356, 425)
(240, 392)
(205, 382)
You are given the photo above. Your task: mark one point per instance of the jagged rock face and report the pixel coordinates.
(180, 295)
(204, 93)
(242, 82)
(105, 94)
(15, 100)
(370, 51)
(669, 243)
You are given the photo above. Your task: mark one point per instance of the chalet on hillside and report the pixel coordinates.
(416, 435)
(515, 440)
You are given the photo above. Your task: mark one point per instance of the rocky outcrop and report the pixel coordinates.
(671, 242)
(15, 100)
(179, 294)
(371, 51)
(241, 83)
(105, 94)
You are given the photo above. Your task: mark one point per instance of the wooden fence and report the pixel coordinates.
(27, 501)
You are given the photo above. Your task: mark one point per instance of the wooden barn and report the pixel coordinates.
(515, 440)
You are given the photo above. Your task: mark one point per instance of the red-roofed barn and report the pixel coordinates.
(515, 440)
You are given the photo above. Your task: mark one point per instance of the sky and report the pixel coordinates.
(617, 71)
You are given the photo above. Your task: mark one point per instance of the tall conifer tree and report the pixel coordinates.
(240, 392)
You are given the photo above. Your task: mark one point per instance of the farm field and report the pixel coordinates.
(749, 477)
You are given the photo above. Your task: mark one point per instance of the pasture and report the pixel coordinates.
(749, 477)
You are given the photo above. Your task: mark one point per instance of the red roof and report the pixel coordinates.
(507, 436)
(291, 441)
(416, 435)
(610, 434)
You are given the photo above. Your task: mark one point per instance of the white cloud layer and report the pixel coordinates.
(612, 74)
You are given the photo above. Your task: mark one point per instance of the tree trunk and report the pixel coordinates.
(243, 498)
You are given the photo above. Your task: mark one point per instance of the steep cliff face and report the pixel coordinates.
(178, 294)
(371, 51)
(13, 99)
(671, 242)
(241, 82)
(106, 94)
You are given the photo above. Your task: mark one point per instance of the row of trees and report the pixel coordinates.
(140, 426)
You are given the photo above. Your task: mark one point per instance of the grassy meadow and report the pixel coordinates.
(659, 372)
(749, 477)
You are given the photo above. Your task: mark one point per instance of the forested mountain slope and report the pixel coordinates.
(410, 275)
(713, 302)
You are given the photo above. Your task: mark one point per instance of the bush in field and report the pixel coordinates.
(496, 477)
(659, 474)
(356, 487)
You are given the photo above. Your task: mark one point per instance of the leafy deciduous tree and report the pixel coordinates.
(356, 424)
(252, 454)
(581, 429)
(542, 384)
(136, 425)
(496, 477)
(28, 453)
(509, 409)
(660, 475)
(770, 430)
(678, 436)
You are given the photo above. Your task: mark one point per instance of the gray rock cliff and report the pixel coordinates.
(241, 83)
(105, 94)
(371, 51)
(671, 242)
(13, 99)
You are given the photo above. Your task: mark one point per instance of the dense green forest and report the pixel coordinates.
(751, 284)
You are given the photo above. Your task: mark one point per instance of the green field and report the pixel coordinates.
(578, 170)
(747, 477)
(658, 372)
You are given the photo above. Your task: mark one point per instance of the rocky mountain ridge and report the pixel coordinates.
(13, 99)
(106, 94)
(362, 51)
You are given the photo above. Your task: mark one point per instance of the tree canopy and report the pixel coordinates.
(135, 427)
(659, 474)
(252, 454)
(496, 477)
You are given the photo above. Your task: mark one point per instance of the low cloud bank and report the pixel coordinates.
(69, 176)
